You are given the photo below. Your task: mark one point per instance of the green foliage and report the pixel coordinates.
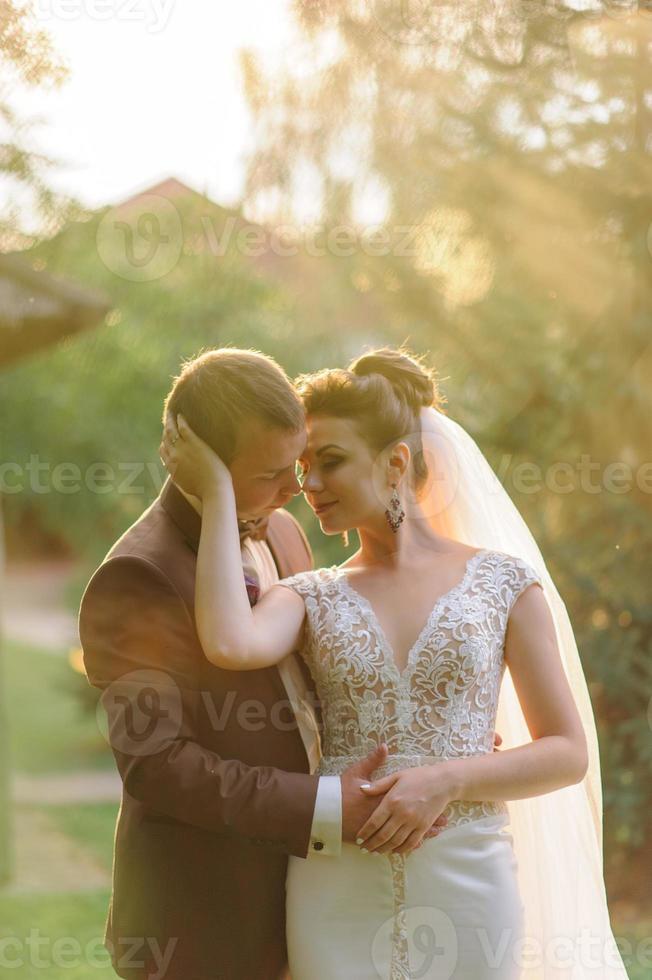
(50, 731)
(88, 413)
(28, 62)
(516, 147)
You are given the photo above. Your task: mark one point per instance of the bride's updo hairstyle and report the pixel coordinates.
(383, 392)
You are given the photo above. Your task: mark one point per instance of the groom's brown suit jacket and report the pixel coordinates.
(216, 783)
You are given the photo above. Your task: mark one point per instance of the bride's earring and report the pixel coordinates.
(394, 513)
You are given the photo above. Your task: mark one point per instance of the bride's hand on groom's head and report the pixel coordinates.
(191, 463)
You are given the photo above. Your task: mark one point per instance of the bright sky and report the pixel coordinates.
(154, 91)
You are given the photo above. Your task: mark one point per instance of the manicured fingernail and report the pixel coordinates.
(365, 786)
(364, 850)
(359, 840)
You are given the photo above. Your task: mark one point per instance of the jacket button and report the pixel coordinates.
(318, 845)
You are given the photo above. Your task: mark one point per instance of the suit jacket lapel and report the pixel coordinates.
(182, 513)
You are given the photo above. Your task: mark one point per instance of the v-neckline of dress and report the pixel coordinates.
(414, 650)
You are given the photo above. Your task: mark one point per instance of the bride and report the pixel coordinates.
(408, 642)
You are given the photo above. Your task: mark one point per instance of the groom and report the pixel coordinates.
(217, 766)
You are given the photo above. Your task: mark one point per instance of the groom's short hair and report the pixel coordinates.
(220, 389)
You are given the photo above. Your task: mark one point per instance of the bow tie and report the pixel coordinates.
(253, 529)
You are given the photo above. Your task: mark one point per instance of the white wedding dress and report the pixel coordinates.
(452, 908)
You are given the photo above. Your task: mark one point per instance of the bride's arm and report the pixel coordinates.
(557, 756)
(232, 634)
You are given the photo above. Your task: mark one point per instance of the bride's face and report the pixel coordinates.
(340, 476)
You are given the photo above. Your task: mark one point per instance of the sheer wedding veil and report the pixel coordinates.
(557, 836)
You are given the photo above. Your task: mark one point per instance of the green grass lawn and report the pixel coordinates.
(50, 729)
(68, 926)
(54, 937)
(91, 825)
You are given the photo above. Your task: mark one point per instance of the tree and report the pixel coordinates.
(514, 142)
(28, 61)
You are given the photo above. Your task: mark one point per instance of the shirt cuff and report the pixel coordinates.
(326, 833)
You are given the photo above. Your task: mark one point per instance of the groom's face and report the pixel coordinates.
(263, 469)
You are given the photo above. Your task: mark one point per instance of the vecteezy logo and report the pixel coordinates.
(141, 712)
(432, 946)
(143, 241)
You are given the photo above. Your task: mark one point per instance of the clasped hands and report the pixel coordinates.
(410, 807)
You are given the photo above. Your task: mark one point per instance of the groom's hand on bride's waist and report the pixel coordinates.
(358, 807)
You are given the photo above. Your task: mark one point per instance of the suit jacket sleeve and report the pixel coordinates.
(141, 650)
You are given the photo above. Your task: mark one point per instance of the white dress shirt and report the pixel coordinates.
(326, 831)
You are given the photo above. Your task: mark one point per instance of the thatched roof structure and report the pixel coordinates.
(37, 309)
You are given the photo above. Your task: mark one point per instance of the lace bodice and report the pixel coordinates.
(443, 704)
